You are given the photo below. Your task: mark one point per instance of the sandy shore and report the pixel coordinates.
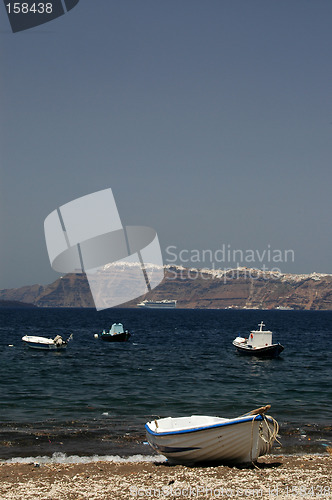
(277, 477)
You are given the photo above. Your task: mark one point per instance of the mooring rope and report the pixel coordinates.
(272, 434)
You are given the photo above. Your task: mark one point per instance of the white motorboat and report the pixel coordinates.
(45, 343)
(199, 439)
(259, 343)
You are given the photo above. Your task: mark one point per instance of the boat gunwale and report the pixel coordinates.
(38, 340)
(233, 421)
(244, 345)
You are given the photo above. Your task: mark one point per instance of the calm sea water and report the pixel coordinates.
(95, 397)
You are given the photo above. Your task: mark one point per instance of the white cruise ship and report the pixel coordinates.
(158, 304)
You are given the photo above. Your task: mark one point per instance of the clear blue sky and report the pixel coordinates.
(210, 120)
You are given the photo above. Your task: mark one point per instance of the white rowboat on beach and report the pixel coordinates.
(199, 439)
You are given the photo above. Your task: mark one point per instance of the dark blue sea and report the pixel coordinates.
(94, 398)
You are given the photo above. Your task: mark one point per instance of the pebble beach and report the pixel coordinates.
(275, 477)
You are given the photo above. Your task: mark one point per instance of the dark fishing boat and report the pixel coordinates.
(259, 343)
(115, 334)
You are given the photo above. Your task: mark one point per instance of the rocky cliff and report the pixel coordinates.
(195, 288)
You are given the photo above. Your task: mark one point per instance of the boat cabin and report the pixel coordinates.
(116, 329)
(260, 338)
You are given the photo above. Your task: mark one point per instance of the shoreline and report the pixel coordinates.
(275, 476)
(113, 437)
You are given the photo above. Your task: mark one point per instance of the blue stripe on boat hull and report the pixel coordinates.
(197, 429)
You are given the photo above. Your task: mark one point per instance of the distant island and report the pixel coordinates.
(240, 288)
(15, 304)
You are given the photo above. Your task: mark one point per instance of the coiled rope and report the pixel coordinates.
(272, 434)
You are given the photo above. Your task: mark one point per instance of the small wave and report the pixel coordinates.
(63, 458)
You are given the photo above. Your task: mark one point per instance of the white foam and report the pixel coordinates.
(62, 458)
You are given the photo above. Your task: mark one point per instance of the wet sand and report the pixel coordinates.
(276, 477)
